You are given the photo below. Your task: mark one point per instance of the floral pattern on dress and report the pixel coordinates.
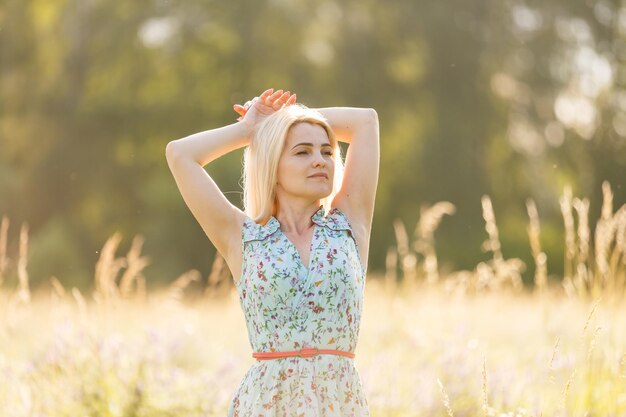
(289, 306)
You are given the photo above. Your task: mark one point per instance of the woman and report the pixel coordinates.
(298, 252)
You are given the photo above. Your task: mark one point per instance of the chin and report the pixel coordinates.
(326, 194)
(319, 191)
(318, 196)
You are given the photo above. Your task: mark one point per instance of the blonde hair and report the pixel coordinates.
(261, 156)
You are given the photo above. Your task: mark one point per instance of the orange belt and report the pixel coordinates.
(305, 353)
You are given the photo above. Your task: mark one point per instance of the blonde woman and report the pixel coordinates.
(298, 251)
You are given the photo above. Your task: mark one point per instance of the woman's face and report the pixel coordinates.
(307, 152)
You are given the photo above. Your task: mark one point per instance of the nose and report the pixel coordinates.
(319, 159)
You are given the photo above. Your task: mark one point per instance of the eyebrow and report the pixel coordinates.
(310, 144)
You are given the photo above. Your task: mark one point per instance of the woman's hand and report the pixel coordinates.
(254, 111)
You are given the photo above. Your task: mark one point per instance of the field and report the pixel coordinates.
(470, 343)
(422, 353)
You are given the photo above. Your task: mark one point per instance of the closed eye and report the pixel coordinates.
(303, 152)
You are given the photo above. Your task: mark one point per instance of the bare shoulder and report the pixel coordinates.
(220, 220)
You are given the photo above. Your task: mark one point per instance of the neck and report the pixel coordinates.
(296, 218)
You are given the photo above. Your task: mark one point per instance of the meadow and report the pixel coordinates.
(467, 343)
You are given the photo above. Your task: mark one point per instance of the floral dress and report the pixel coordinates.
(287, 307)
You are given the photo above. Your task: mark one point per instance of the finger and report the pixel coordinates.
(266, 93)
(272, 98)
(292, 99)
(281, 100)
(239, 108)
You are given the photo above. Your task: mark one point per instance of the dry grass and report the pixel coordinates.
(585, 276)
(465, 344)
(604, 274)
(421, 353)
(540, 257)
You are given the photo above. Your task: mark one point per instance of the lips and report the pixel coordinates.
(319, 175)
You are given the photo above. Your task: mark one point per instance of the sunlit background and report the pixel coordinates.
(500, 98)
(503, 161)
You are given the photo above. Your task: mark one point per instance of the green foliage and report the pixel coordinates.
(474, 98)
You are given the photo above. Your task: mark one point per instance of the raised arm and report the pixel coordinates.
(186, 157)
(358, 127)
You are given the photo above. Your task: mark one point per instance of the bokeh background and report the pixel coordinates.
(511, 99)
(503, 161)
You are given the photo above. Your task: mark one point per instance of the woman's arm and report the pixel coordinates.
(359, 128)
(347, 121)
(186, 157)
(206, 146)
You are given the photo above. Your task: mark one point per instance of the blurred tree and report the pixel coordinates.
(512, 99)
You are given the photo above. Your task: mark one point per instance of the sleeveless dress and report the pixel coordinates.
(288, 306)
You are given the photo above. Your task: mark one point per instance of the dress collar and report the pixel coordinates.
(334, 220)
(319, 217)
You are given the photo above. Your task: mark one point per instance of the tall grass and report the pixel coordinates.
(592, 268)
(604, 273)
(469, 343)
